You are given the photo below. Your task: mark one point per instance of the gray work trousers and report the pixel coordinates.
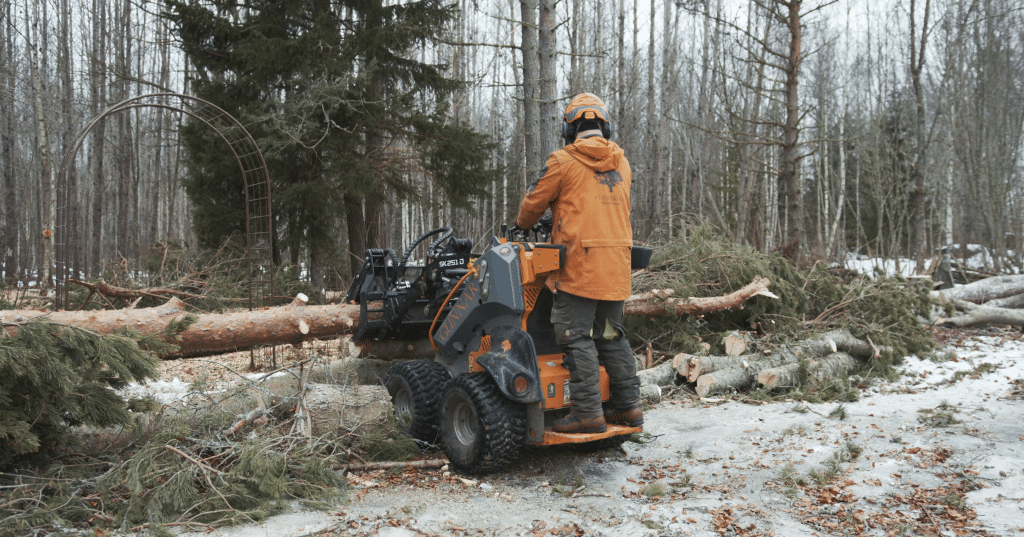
(590, 333)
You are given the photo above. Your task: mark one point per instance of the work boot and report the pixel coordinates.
(633, 417)
(575, 424)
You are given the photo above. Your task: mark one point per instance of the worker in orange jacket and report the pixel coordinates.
(586, 185)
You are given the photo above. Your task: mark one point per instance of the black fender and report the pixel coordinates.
(513, 359)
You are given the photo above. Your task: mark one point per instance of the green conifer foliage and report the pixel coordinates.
(53, 377)
(343, 102)
(706, 264)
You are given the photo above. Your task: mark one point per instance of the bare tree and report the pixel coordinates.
(47, 171)
(531, 88)
(98, 135)
(547, 81)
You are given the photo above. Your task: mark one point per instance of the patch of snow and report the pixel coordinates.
(873, 265)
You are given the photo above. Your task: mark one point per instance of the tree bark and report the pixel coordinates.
(531, 90)
(547, 81)
(47, 161)
(982, 291)
(640, 304)
(97, 102)
(834, 365)
(790, 173)
(9, 237)
(211, 333)
(982, 315)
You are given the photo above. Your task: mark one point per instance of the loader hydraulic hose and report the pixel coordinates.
(430, 333)
(408, 251)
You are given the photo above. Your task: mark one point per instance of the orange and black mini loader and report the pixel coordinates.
(496, 382)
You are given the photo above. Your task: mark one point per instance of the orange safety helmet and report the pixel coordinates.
(587, 107)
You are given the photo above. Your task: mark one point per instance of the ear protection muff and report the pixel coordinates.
(568, 132)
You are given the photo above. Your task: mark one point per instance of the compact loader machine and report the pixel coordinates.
(496, 382)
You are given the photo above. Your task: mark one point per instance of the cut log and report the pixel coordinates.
(1014, 302)
(734, 378)
(211, 333)
(983, 315)
(736, 343)
(641, 304)
(834, 365)
(987, 289)
(681, 363)
(662, 374)
(702, 365)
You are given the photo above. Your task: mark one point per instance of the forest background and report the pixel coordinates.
(890, 129)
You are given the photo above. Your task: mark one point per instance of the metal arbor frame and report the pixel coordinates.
(258, 228)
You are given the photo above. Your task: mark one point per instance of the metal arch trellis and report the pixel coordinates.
(258, 229)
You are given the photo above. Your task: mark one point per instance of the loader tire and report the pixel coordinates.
(481, 430)
(415, 388)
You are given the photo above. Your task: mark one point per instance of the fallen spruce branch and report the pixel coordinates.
(113, 291)
(384, 465)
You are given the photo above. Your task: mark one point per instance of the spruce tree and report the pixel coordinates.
(53, 377)
(340, 105)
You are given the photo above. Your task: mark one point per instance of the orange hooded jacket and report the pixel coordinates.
(586, 185)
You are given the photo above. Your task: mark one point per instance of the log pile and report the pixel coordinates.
(831, 355)
(998, 300)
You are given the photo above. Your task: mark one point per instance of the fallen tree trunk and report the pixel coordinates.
(225, 332)
(1015, 302)
(982, 291)
(984, 315)
(697, 307)
(211, 333)
(833, 365)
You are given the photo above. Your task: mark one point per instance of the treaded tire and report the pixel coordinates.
(481, 430)
(415, 388)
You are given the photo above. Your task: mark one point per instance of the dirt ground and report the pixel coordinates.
(938, 452)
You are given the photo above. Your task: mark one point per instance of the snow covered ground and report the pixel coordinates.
(939, 452)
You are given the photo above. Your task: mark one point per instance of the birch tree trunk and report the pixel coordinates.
(45, 157)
